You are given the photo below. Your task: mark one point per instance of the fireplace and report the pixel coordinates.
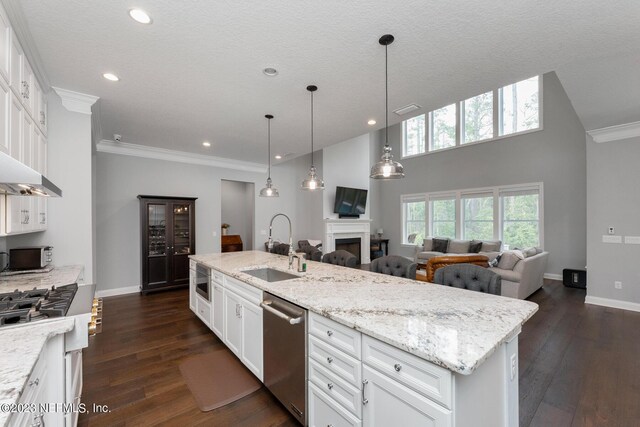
(336, 230)
(351, 245)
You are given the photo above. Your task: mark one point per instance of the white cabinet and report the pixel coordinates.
(27, 86)
(232, 321)
(27, 141)
(5, 107)
(5, 45)
(324, 411)
(15, 70)
(251, 350)
(389, 403)
(15, 127)
(192, 287)
(218, 311)
(203, 310)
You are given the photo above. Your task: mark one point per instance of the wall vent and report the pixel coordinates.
(407, 109)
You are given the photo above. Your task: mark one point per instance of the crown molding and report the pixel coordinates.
(615, 133)
(127, 149)
(21, 30)
(76, 101)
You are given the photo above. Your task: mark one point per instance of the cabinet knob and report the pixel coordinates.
(397, 367)
(329, 359)
(330, 386)
(329, 333)
(34, 382)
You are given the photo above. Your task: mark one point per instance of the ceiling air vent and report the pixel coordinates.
(407, 109)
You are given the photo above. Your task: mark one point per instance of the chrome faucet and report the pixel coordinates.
(270, 241)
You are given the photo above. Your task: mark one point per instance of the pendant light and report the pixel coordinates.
(313, 181)
(269, 190)
(386, 168)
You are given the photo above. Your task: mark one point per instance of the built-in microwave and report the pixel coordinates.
(203, 282)
(30, 258)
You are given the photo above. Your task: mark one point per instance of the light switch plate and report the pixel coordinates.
(611, 239)
(632, 240)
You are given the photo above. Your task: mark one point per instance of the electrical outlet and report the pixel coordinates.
(612, 230)
(514, 366)
(617, 285)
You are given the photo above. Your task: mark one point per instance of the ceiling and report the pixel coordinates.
(195, 74)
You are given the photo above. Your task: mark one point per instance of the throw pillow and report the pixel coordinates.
(529, 252)
(494, 262)
(427, 244)
(440, 245)
(493, 246)
(475, 246)
(508, 260)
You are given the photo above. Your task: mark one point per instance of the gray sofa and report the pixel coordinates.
(489, 248)
(525, 277)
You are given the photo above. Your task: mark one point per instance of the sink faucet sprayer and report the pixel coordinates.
(270, 241)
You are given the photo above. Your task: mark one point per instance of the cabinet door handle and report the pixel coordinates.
(364, 399)
(397, 367)
(34, 382)
(329, 333)
(329, 359)
(330, 386)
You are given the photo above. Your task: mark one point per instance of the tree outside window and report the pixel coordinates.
(478, 118)
(521, 222)
(443, 218)
(442, 128)
(414, 130)
(478, 217)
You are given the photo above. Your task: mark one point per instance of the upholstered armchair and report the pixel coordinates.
(469, 276)
(311, 252)
(280, 249)
(340, 257)
(394, 265)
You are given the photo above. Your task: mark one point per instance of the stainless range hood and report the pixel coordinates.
(19, 179)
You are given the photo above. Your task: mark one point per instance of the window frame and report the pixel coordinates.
(497, 117)
(459, 195)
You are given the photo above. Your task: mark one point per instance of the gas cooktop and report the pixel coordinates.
(36, 304)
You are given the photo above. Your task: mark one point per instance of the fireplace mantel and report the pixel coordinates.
(345, 229)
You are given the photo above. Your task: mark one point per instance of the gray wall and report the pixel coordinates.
(70, 228)
(613, 201)
(555, 155)
(121, 178)
(237, 204)
(309, 222)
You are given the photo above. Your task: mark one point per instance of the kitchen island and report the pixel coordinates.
(461, 345)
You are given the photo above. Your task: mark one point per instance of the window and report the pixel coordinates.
(478, 217)
(520, 218)
(519, 107)
(478, 118)
(414, 214)
(443, 217)
(413, 136)
(511, 213)
(442, 128)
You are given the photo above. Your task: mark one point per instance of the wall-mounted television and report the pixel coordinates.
(350, 202)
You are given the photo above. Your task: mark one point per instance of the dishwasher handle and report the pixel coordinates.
(292, 320)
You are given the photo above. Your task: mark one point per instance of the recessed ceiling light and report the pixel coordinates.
(140, 16)
(277, 156)
(111, 76)
(206, 144)
(270, 71)
(371, 122)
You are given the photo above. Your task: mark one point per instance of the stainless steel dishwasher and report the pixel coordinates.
(285, 354)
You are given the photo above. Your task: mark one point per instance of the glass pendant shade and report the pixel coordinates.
(386, 168)
(313, 181)
(269, 190)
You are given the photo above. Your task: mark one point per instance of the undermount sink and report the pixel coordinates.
(270, 274)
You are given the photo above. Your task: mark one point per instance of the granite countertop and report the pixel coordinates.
(20, 347)
(453, 328)
(59, 276)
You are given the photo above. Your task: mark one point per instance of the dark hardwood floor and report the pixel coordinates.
(579, 365)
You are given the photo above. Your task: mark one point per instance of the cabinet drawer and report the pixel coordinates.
(339, 336)
(341, 391)
(335, 361)
(203, 310)
(248, 292)
(416, 373)
(324, 411)
(216, 276)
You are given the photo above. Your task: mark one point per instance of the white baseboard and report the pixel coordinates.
(552, 276)
(117, 291)
(613, 303)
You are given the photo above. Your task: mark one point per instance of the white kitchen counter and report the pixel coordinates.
(453, 328)
(59, 276)
(20, 347)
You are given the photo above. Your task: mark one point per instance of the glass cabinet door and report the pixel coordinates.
(157, 229)
(181, 229)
